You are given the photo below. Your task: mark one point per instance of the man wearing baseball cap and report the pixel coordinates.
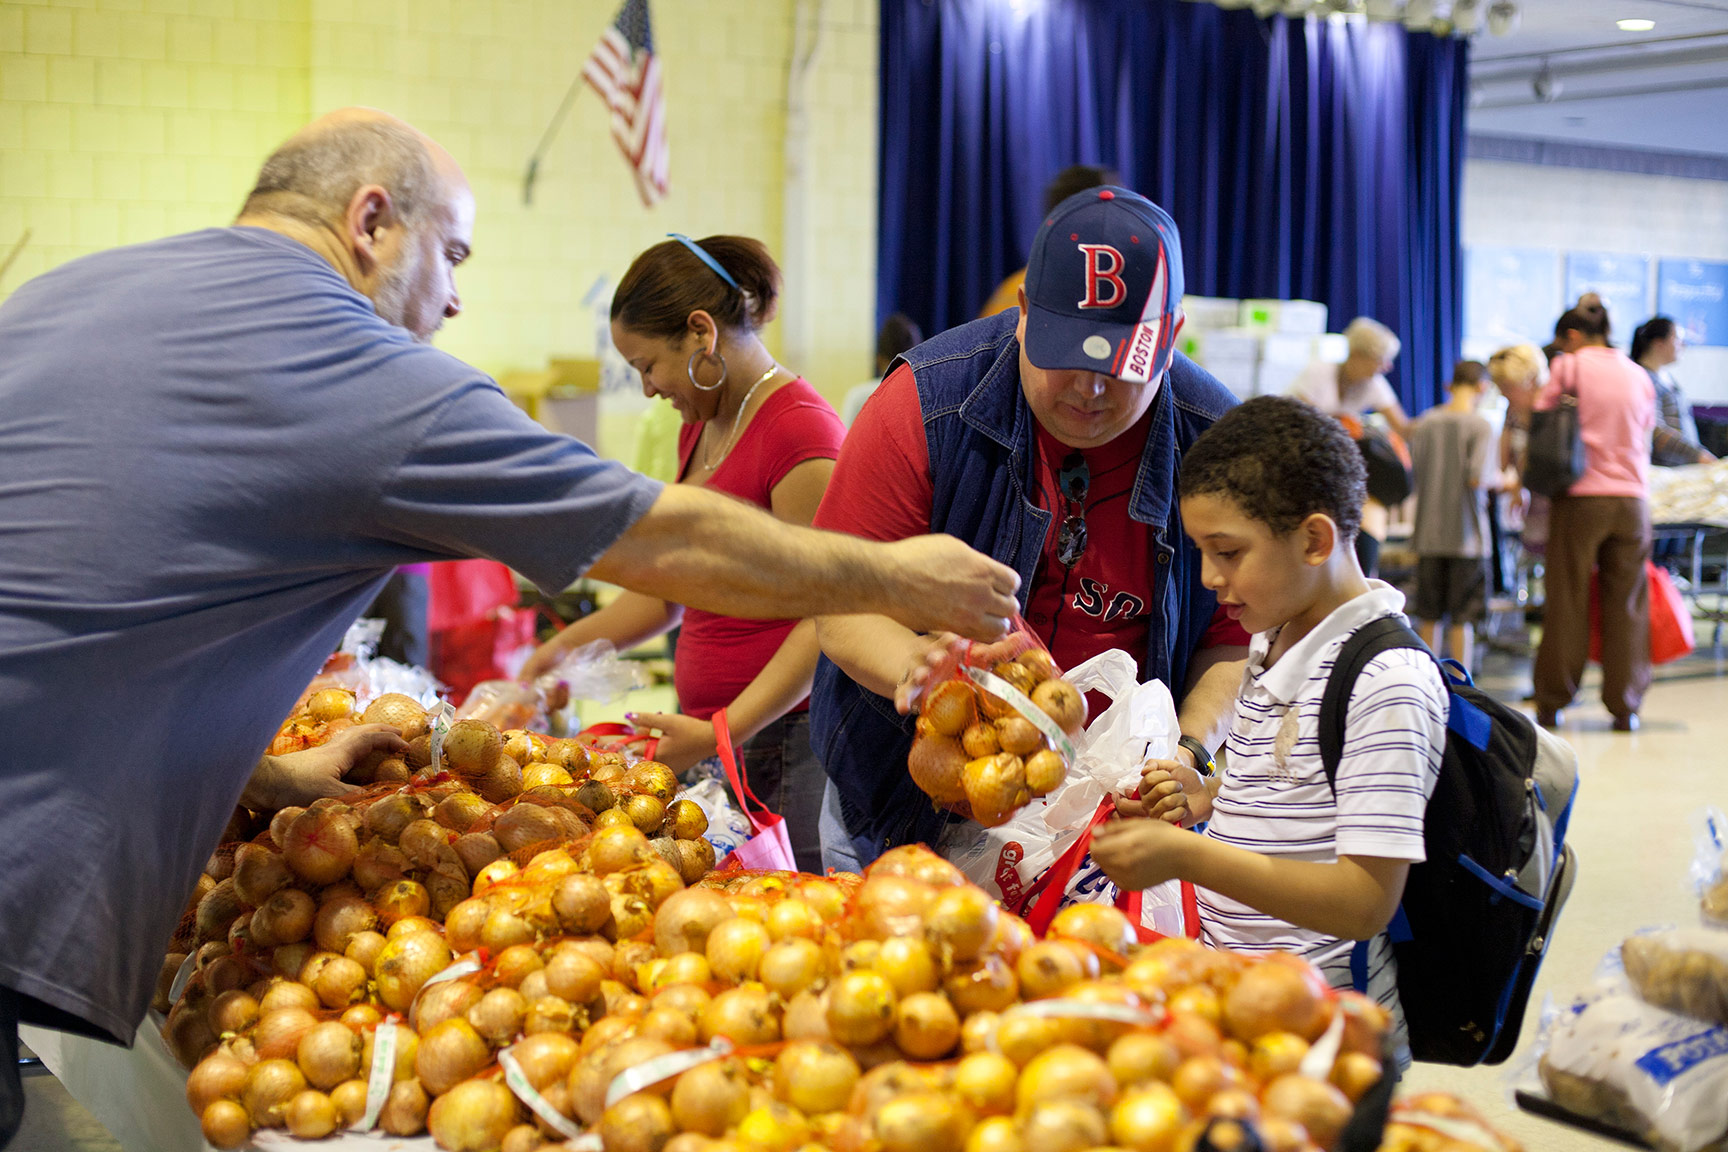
(1049, 438)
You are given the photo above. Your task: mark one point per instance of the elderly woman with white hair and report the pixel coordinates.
(1352, 389)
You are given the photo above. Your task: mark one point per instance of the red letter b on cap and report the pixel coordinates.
(1103, 271)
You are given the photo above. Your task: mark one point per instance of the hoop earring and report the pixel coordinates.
(690, 371)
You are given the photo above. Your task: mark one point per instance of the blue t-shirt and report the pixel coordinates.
(212, 454)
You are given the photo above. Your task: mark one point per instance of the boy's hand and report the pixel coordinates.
(1162, 795)
(1139, 853)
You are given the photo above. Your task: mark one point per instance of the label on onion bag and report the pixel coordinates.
(1022, 704)
(383, 1074)
(664, 1067)
(1087, 1010)
(442, 717)
(529, 1095)
(1317, 1062)
(187, 967)
(467, 965)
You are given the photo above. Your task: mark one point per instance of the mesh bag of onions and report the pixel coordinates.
(591, 990)
(996, 732)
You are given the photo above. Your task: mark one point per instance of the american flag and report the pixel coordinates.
(623, 70)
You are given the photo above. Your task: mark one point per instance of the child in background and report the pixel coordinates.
(1456, 457)
(1272, 495)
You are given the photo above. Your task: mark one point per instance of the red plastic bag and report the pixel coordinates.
(770, 849)
(1044, 899)
(1671, 635)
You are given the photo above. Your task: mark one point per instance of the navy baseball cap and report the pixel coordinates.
(1104, 286)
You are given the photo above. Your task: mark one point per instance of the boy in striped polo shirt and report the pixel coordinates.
(1272, 495)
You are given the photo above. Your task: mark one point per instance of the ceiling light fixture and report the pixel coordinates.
(1635, 25)
(1546, 85)
(1419, 15)
(1466, 15)
(1382, 9)
(1503, 17)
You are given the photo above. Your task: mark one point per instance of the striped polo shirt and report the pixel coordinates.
(1274, 798)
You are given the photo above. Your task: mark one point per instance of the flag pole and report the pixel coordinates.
(546, 139)
(6, 264)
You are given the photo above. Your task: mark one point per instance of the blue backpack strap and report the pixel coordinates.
(1359, 966)
(1364, 644)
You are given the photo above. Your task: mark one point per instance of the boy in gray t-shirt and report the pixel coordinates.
(1454, 450)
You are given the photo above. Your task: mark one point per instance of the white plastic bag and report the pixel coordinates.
(592, 672)
(1139, 724)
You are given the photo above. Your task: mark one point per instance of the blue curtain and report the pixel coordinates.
(1300, 158)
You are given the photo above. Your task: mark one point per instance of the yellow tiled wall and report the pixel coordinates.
(124, 120)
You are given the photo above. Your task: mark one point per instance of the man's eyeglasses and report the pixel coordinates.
(1072, 482)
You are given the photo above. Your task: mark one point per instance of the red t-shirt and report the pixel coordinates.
(882, 489)
(718, 656)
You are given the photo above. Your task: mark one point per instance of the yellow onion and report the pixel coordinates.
(815, 1077)
(745, 1015)
(926, 1026)
(450, 1052)
(407, 963)
(1050, 967)
(285, 918)
(676, 1028)
(404, 1112)
(218, 1076)
(712, 1097)
(984, 985)
(791, 966)
(402, 900)
(639, 1123)
(473, 1116)
(278, 1033)
(463, 924)
(861, 1008)
(683, 922)
(320, 845)
(574, 976)
(270, 1084)
(361, 1016)
(735, 948)
(582, 904)
(1020, 1038)
(961, 921)
(546, 1057)
(1063, 1126)
(365, 948)
(985, 1081)
(907, 964)
(498, 1015)
(349, 1100)
(995, 1134)
(233, 1011)
(311, 1115)
(806, 1016)
(339, 982)
(1144, 1056)
(511, 966)
(888, 905)
(339, 920)
(1098, 924)
(1066, 1072)
(225, 1124)
(328, 1054)
(920, 1122)
(379, 864)
(441, 1002)
(259, 873)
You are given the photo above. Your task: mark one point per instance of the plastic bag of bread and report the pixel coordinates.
(1636, 1066)
(1709, 875)
(1684, 970)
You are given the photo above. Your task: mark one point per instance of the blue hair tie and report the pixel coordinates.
(705, 258)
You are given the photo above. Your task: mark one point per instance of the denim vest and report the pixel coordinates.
(983, 454)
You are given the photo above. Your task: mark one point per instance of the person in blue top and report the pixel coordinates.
(214, 449)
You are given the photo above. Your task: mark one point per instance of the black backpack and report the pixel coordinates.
(1478, 914)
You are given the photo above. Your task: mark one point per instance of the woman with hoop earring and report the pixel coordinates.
(688, 317)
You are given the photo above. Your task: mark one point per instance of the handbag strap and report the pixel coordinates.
(1044, 897)
(733, 764)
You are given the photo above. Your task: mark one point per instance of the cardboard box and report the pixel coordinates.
(1299, 317)
(1210, 312)
(1217, 346)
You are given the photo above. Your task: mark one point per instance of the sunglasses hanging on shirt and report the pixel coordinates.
(1072, 482)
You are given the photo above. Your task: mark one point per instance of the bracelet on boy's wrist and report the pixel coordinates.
(1203, 762)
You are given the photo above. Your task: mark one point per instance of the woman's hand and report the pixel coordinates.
(684, 740)
(541, 661)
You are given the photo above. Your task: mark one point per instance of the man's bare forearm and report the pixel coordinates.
(709, 551)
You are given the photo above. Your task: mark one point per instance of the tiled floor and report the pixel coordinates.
(1631, 832)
